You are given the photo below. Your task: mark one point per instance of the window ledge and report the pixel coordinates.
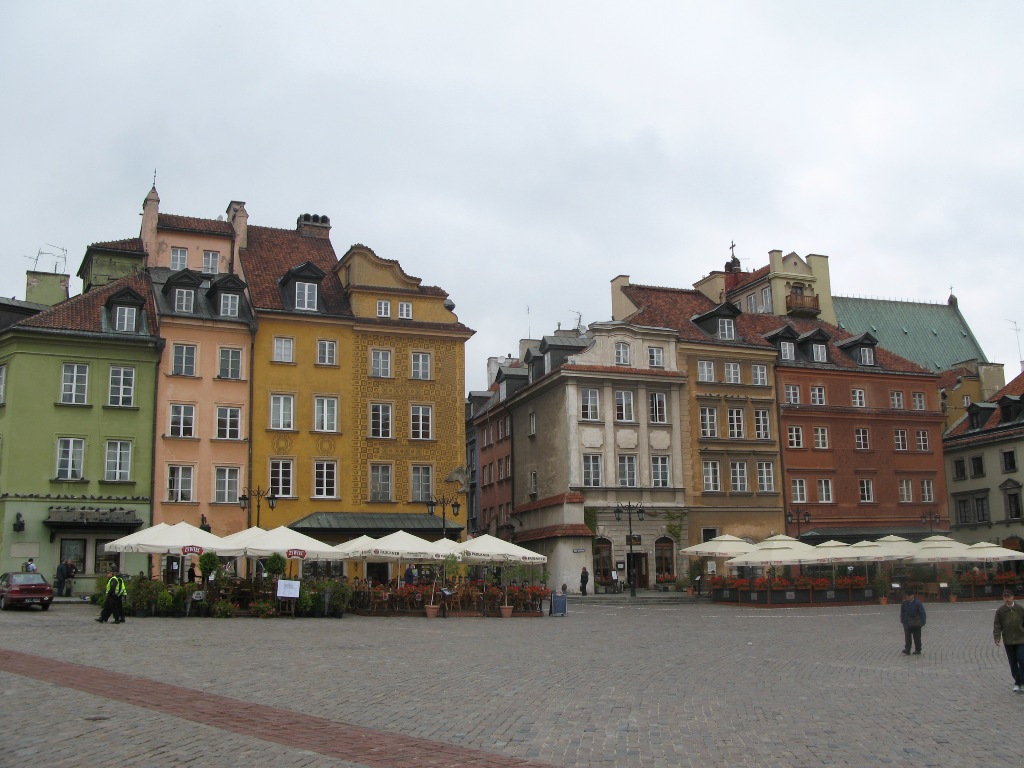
(108, 407)
(72, 405)
(76, 480)
(117, 482)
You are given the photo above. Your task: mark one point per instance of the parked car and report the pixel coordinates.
(25, 589)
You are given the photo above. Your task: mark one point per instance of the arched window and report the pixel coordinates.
(665, 559)
(602, 560)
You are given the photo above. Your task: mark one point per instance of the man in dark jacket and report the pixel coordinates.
(913, 618)
(584, 578)
(1008, 626)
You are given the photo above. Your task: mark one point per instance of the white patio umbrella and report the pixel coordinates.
(942, 551)
(125, 542)
(292, 545)
(490, 549)
(986, 552)
(355, 545)
(872, 552)
(444, 547)
(179, 539)
(778, 552)
(241, 538)
(725, 545)
(395, 547)
(832, 550)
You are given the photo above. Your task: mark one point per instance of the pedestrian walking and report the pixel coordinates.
(62, 575)
(69, 579)
(114, 602)
(30, 566)
(1008, 627)
(913, 618)
(584, 579)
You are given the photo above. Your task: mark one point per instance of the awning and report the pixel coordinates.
(375, 524)
(92, 519)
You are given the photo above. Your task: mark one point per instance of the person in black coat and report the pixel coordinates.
(584, 579)
(913, 618)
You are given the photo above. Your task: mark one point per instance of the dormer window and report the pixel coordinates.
(124, 319)
(229, 305)
(787, 350)
(383, 308)
(184, 300)
(622, 355)
(866, 356)
(819, 353)
(977, 420)
(726, 328)
(123, 312)
(305, 295)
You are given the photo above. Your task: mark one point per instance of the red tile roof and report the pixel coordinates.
(563, 498)
(128, 245)
(195, 224)
(84, 313)
(749, 277)
(1014, 389)
(553, 532)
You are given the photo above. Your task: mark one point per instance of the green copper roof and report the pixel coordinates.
(935, 336)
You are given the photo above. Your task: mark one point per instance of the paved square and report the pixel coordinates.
(612, 684)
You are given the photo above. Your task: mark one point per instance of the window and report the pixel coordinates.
(380, 363)
(819, 353)
(282, 411)
(229, 305)
(817, 396)
(708, 422)
(963, 511)
(736, 423)
(179, 259)
(533, 482)
(281, 477)
(981, 509)
(732, 373)
(738, 476)
(866, 356)
(821, 438)
(705, 370)
(787, 351)
(1013, 506)
(380, 482)
(305, 295)
(184, 300)
(917, 401)
(798, 489)
(659, 472)
(229, 422)
(658, 407)
(906, 490)
(230, 366)
(861, 439)
(752, 303)
(966, 400)
(622, 355)
(627, 471)
(759, 375)
(405, 310)
(211, 262)
(726, 328)
(712, 479)
(71, 457)
(762, 424)
(824, 490)
(183, 420)
(927, 491)
(284, 349)
(325, 414)
(923, 443)
(796, 436)
(533, 424)
(421, 365)
(656, 357)
(380, 420)
(867, 490)
(977, 466)
(3, 383)
(225, 485)
(183, 361)
(766, 299)
(792, 394)
(325, 479)
(421, 422)
(383, 308)
(122, 387)
(75, 380)
(1009, 460)
(857, 398)
(623, 406)
(592, 470)
(124, 318)
(896, 400)
(589, 405)
(765, 477)
(179, 483)
(900, 439)
(119, 461)
(959, 469)
(422, 482)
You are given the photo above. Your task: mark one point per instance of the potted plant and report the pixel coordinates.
(881, 587)
(694, 572)
(341, 597)
(954, 586)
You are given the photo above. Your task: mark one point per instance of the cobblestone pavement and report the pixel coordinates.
(613, 684)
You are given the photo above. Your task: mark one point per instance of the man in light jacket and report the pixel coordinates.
(1008, 626)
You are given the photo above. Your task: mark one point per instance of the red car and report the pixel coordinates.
(25, 589)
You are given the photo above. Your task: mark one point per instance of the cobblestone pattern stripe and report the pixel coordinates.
(307, 732)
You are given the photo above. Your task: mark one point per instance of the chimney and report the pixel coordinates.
(239, 219)
(46, 287)
(313, 225)
(150, 219)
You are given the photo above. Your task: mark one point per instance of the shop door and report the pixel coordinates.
(638, 562)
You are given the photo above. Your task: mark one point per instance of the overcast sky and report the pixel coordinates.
(521, 155)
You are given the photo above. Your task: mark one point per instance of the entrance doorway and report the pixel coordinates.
(637, 563)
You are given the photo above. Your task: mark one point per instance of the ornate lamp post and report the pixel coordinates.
(259, 494)
(444, 502)
(794, 516)
(930, 520)
(629, 508)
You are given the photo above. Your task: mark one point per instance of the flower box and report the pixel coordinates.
(828, 595)
(793, 596)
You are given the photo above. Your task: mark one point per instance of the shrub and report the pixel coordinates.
(223, 609)
(264, 609)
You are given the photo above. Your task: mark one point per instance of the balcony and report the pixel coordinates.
(802, 306)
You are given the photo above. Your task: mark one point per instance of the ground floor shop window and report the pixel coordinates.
(602, 559)
(664, 559)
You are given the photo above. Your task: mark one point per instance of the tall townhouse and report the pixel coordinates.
(983, 453)
(595, 440)
(730, 419)
(77, 384)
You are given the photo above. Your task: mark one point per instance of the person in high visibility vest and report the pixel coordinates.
(114, 603)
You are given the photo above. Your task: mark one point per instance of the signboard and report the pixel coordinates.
(712, 568)
(299, 553)
(578, 550)
(634, 539)
(287, 588)
(191, 550)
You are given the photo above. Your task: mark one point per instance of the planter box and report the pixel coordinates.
(725, 595)
(755, 596)
(828, 595)
(791, 596)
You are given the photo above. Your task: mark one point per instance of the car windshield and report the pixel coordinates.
(27, 578)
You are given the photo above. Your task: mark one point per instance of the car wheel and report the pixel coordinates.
(45, 606)
(3, 603)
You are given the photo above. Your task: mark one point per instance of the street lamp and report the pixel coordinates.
(629, 508)
(795, 517)
(930, 520)
(259, 494)
(444, 502)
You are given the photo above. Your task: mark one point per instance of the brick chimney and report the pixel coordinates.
(313, 225)
(150, 218)
(239, 218)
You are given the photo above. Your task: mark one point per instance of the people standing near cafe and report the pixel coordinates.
(62, 575)
(69, 579)
(1008, 626)
(114, 603)
(584, 579)
(913, 618)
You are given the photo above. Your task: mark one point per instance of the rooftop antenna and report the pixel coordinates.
(154, 177)
(60, 261)
(528, 322)
(35, 260)
(1016, 331)
(579, 321)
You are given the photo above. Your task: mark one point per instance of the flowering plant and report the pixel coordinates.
(264, 609)
(223, 609)
(1006, 577)
(716, 582)
(764, 582)
(666, 578)
(738, 583)
(852, 582)
(974, 577)
(808, 582)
